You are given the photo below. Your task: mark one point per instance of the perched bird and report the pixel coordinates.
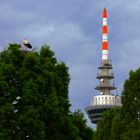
(27, 43)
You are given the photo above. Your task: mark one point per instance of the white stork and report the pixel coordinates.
(27, 43)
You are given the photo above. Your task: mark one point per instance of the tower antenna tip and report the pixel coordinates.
(104, 13)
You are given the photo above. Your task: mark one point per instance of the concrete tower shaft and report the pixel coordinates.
(105, 74)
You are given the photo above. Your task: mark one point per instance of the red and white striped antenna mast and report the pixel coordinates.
(105, 38)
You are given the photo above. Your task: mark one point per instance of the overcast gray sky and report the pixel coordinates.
(72, 28)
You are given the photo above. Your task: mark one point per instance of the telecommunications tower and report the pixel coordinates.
(106, 100)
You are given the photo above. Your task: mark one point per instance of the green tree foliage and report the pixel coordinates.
(34, 102)
(107, 128)
(130, 112)
(84, 132)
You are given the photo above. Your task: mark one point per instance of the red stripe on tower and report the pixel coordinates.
(105, 45)
(104, 13)
(104, 29)
(105, 37)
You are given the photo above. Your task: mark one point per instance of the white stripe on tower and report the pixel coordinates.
(104, 21)
(105, 37)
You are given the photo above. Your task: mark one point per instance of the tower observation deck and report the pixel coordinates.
(106, 100)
